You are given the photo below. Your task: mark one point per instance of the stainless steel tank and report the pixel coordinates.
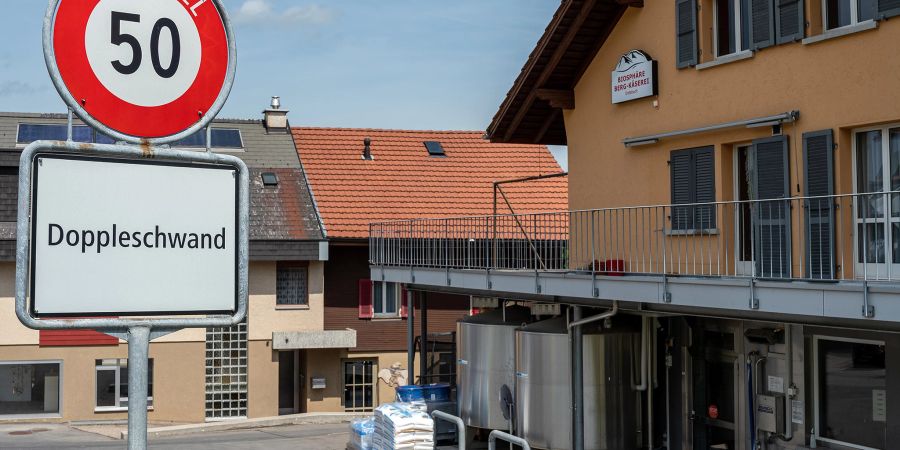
(543, 396)
(486, 348)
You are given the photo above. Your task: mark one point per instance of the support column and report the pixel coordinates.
(411, 336)
(138, 351)
(423, 360)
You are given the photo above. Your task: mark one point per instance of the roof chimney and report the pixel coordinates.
(367, 149)
(275, 117)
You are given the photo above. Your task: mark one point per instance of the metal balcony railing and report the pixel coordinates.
(839, 237)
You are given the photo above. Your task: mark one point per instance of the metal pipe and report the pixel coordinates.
(651, 343)
(138, 351)
(576, 339)
(750, 123)
(755, 430)
(497, 434)
(411, 337)
(643, 371)
(606, 315)
(789, 356)
(460, 427)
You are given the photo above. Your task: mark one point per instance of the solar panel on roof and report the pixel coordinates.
(221, 138)
(30, 132)
(434, 148)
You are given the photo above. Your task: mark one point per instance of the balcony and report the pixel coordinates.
(832, 257)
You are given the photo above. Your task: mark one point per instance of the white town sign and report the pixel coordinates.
(634, 77)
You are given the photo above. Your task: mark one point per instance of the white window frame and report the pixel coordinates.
(854, 16)
(57, 414)
(106, 367)
(815, 373)
(738, 31)
(398, 298)
(888, 269)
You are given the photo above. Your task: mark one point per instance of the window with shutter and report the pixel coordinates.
(693, 181)
(819, 181)
(888, 8)
(366, 307)
(772, 219)
(686, 33)
(789, 20)
(761, 24)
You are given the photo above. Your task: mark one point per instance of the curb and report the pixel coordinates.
(260, 422)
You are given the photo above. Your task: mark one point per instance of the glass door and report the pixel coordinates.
(877, 205)
(742, 215)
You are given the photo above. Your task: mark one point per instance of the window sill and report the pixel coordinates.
(115, 409)
(702, 232)
(842, 31)
(291, 307)
(386, 318)
(733, 57)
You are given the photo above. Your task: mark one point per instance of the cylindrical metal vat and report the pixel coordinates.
(543, 387)
(486, 350)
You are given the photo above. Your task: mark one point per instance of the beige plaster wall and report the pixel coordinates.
(178, 378)
(838, 84)
(266, 317)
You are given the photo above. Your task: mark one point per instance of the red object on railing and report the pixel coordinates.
(615, 267)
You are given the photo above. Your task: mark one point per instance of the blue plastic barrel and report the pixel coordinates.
(437, 392)
(410, 393)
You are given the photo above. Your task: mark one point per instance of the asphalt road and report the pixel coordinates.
(295, 437)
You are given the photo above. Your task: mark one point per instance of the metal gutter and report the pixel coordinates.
(776, 119)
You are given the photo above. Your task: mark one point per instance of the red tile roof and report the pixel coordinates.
(404, 182)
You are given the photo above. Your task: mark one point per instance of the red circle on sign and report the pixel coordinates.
(70, 26)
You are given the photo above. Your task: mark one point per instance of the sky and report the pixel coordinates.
(412, 64)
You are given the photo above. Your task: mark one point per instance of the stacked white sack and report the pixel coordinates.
(361, 433)
(399, 426)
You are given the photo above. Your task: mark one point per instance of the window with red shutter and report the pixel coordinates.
(366, 309)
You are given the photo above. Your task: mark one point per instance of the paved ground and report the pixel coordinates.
(294, 437)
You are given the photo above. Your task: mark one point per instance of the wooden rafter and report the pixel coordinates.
(632, 3)
(558, 98)
(561, 49)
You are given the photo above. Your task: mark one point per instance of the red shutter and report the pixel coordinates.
(366, 308)
(404, 312)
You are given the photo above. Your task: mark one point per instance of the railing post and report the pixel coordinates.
(594, 291)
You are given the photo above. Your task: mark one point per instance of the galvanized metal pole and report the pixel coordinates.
(576, 333)
(411, 336)
(138, 351)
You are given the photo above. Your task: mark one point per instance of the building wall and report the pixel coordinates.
(839, 84)
(347, 265)
(179, 374)
(178, 379)
(328, 364)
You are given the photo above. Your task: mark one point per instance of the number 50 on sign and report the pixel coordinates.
(143, 69)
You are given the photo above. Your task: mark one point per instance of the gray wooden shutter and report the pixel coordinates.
(772, 219)
(704, 188)
(686, 33)
(682, 189)
(761, 24)
(789, 21)
(887, 8)
(818, 150)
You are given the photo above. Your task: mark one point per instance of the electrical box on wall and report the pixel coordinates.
(318, 383)
(770, 413)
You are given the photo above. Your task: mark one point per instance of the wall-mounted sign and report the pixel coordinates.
(634, 77)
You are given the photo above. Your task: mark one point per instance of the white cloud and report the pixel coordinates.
(261, 11)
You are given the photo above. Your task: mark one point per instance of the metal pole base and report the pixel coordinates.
(138, 352)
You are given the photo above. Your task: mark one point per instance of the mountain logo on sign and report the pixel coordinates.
(631, 59)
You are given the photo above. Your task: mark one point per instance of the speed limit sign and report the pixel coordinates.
(141, 70)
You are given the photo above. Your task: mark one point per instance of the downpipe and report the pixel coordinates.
(576, 343)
